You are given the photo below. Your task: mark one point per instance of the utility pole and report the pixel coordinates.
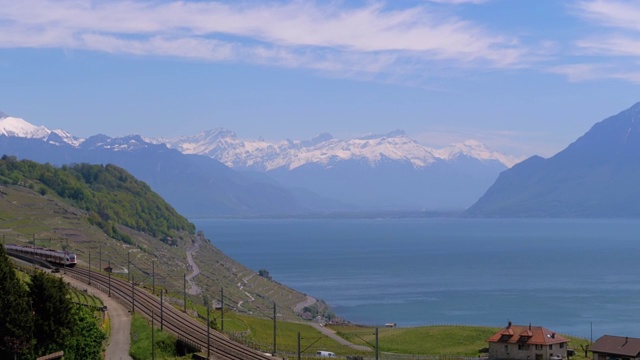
(377, 352)
(133, 295)
(274, 328)
(153, 345)
(161, 309)
(34, 252)
(298, 345)
(89, 267)
(153, 276)
(109, 278)
(184, 290)
(100, 257)
(129, 265)
(221, 309)
(208, 330)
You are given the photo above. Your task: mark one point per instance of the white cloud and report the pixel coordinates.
(330, 37)
(613, 50)
(613, 13)
(585, 72)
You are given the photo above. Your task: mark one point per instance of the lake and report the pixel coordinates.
(570, 276)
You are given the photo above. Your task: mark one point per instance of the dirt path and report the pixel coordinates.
(193, 288)
(306, 303)
(120, 322)
(330, 333)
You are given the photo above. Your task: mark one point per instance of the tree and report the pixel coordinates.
(86, 343)
(53, 313)
(16, 324)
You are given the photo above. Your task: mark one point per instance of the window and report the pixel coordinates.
(551, 347)
(523, 347)
(561, 345)
(538, 347)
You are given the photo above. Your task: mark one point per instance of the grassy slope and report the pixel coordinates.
(433, 340)
(25, 214)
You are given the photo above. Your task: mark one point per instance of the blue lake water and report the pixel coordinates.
(570, 276)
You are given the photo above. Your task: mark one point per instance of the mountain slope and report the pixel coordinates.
(194, 185)
(55, 221)
(596, 176)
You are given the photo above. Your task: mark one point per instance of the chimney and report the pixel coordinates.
(529, 326)
(509, 324)
(553, 335)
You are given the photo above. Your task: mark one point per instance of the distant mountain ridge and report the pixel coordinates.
(225, 146)
(596, 176)
(374, 172)
(382, 172)
(195, 185)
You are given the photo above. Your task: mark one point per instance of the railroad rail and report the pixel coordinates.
(174, 321)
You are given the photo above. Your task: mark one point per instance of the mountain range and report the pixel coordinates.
(215, 173)
(595, 176)
(389, 171)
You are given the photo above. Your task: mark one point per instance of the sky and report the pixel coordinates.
(523, 77)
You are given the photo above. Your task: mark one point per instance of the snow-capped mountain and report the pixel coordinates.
(195, 185)
(375, 172)
(17, 127)
(390, 171)
(224, 146)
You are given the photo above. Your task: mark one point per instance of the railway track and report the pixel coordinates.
(174, 321)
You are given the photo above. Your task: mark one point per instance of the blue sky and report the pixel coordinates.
(522, 76)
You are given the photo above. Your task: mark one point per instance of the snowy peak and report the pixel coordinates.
(17, 127)
(324, 150)
(3, 115)
(392, 134)
(475, 149)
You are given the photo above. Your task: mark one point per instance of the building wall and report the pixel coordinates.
(600, 356)
(499, 351)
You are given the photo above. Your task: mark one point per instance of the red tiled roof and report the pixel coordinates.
(617, 345)
(532, 335)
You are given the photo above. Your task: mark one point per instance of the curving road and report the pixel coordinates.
(193, 288)
(120, 322)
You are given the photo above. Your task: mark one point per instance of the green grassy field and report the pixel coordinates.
(165, 344)
(433, 340)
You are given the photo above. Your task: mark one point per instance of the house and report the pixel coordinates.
(615, 347)
(527, 343)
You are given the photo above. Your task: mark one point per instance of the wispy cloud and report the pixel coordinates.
(613, 51)
(613, 13)
(330, 37)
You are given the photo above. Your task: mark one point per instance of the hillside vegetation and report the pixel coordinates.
(110, 194)
(32, 313)
(64, 208)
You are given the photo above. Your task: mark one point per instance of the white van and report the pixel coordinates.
(325, 354)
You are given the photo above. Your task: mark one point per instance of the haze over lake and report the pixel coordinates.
(561, 274)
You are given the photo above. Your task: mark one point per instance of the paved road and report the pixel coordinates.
(120, 321)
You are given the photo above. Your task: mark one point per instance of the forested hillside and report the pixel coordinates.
(39, 318)
(108, 193)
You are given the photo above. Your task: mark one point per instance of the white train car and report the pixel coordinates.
(58, 257)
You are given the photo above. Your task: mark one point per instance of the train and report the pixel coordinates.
(56, 257)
